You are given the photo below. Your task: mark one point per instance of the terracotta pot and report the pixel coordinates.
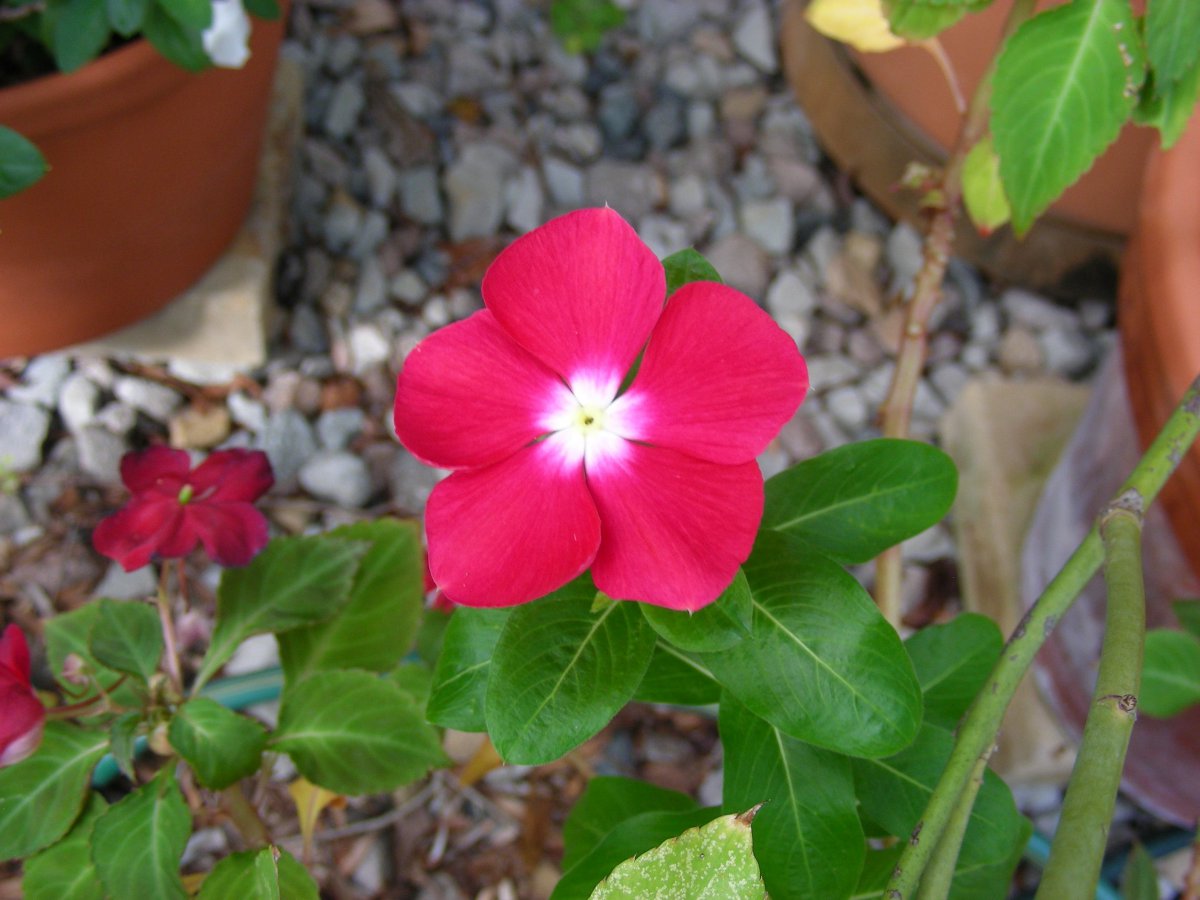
(151, 174)
(877, 112)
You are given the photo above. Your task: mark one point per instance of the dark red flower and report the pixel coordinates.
(175, 507)
(21, 712)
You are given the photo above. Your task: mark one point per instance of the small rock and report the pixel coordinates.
(848, 409)
(420, 198)
(741, 263)
(475, 188)
(199, 427)
(1019, 352)
(904, 254)
(929, 546)
(23, 429)
(368, 347)
(826, 372)
(288, 442)
(790, 295)
(985, 323)
(247, 412)
(408, 287)
(949, 379)
(13, 515)
(663, 21)
(863, 348)
(155, 400)
(564, 181)
(253, 655)
(41, 380)
(770, 224)
(411, 481)
(100, 453)
(617, 111)
(381, 176)
(117, 417)
(1034, 312)
(687, 196)
(306, 330)
(665, 123)
(632, 189)
(371, 291)
(523, 200)
(663, 235)
(800, 436)
(337, 476)
(701, 119)
(754, 37)
(345, 106)
(121, 585)
(342, 222)
(77, 401)
(336, 428)
(579, 140)
(1067, 352)
(344, 51)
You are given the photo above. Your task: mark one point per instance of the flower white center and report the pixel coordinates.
(583, 425)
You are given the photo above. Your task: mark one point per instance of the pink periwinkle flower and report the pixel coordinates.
(556, 469)
(22, 716)
(175, 507)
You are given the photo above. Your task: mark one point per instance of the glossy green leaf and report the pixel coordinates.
(807, 836)
(296, 581)
(675, 676)
(1172, 37)
(263, 9)
(1170, 673)
(461, 675)
(355, 733)
(854, 502)
(127, 636)
(1169, 107)
(1188, 614)
(1065, 83)
(182, 46)
(70, 633)
(717, 626)
(41, 796)
(816, 634)
(952, 662)
(377, 625)
(80, 33)
(64, 871)
(983, 190)
(222, 746)
(196, 14)
(635, 835)
(606, 802)
(877, 872)
(918, 20)
(894, 792)
(415, 680)
(21, 162)
(122, 736)
(979, 880)
(270, 873)
(138, 842)
(687, 266)
(561, 672)
(713, 860)
(1139, 881)
(126, 16)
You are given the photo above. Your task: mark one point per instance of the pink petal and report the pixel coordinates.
(469, 395)
(22, 718)
(718, 380)
(514, 531)
(675, 528)
(146, 470)
(581, 294)
(232, 533)
(14, 657)
(146, 527)
(233, 475)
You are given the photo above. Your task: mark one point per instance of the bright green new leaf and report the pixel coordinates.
(714, 860)
(952, 662)
(270, 873)
(138, 842)
(64, 871)
(222, 746)
(675, 676)
(561, 672)
(21, 162)
(80, 33)
(807, 837)
(983, 191)
(717, 626)
(606, 802)
(1170, 673)
(126, 16)
(182, 46)
(918, 20)
(460, 678)
(377, 625)
(816, 634)
(355, 733)
(1169, 107)
(854, 502)
(41, 796)
(1139, 881)
(1064, 85)
(296, 581)
(127, 636)
(1172, 38)
(1188, 614)
(687, 266)
(192, 14)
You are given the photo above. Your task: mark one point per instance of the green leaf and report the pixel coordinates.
(127, 637)
(126, 16)
(877, 872)
(717, 626)
(606, 802)
(918, 20)
(677, 677)
(222, 746)
(560, 672)
(377, 625)
(633, 836)
(1139, 881)
(1188, 614)
(816, 634)
(182, 46)
(263, 9)
(64, 871)
(983, 191)
(191, 14)
(809, 842)
(461, 676)
(895, 791)
(1065, 83)
(69, 633)
(1169, 107)
(687, 266)
(355, 733)
(415, 680)
(581, 24)
(41, 796)
(1170, 673)
(296, 581)
(138, 842)
(267, 874)
(853, 502)
(952, 662)
(21, 162)
(714, 860)
(122, 737)
(80, 33)
(1172, 38)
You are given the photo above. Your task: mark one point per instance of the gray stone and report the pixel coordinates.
(1067, 351)
(13, 514)
(41, 380)
(117, 417)
(337, 476)
(741, 262)
(155, 400)
(420, 198)
(247, 412)
(411, 481)
(121, 585)
(408, 287)
(523, 200)
(306, 330)
(368, 347)
(770, 224)
(663, 21)
(830, 371)
(631, 189)
(471, 71)
(342, 221)
(903, 252)
(288, 441)
(822, 249)
(790, 295)
(100, 453)
(436, 312)
(372, 233)
(701, 119)
(663, 235)
(475, 188)
(1034, 312)
(694, 76)
(618, 111)
(77, 401)
(665, 123)
(344, 52)
(985, 323)
(687, 196)
(345, 106)
(381, 176)
(336, 428)
(564, 181)
(754, 37)
(579, 140)
(848, 409)
(416, 98)
(371, 291)
(949, 379)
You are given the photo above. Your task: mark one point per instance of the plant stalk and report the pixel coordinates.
(979, 727)
(170, 642)
(244, 817)
(935, 885)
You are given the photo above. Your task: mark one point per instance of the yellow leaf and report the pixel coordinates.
(309, 800)
(485, 759)
(983, 191)
(859, 23)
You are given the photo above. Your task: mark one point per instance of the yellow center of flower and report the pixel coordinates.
(589, 419)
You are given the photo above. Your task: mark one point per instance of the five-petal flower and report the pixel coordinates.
(557, 469)
(174, 507)
(22, 715)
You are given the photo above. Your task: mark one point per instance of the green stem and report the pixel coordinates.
(978, 730)
(170, 644)
(935, 884)
(1079, 842)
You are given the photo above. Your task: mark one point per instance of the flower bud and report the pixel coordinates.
(22, 715)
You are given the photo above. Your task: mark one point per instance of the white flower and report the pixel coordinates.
(226, 40)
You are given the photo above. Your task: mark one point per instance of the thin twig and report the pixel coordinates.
(170, 643)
